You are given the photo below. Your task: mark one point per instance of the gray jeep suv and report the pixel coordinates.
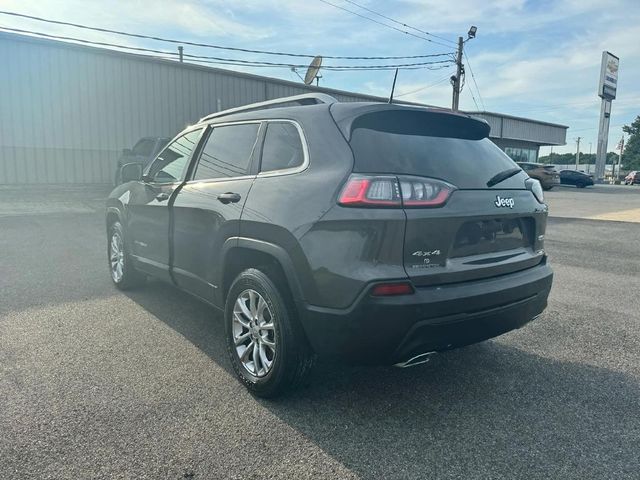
(377, 233)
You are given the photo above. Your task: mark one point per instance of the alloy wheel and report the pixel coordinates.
(116, 257)
(254, 333)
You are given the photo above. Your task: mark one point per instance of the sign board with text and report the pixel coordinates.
(608, 76)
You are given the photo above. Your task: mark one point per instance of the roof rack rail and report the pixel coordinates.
(304, 99)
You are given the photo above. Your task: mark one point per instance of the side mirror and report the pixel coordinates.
(131, 172)
(126, 151)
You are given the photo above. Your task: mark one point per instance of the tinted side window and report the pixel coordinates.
(171, 162)
(227, 152)
(144, 147)
(282, 147)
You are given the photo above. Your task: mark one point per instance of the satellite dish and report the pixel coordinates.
(312, 71)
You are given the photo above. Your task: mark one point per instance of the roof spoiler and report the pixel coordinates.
(304, 99)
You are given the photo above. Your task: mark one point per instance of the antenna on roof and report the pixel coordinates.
(313, 70)
(393, 87)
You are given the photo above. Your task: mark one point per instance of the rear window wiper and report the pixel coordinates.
(502, 176)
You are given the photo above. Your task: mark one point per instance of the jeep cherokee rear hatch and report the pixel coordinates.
(469, 212)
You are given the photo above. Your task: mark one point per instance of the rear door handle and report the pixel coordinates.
(161, 197)
(229, 197)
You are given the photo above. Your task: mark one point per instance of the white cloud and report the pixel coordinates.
(539, 58)
(145, 16)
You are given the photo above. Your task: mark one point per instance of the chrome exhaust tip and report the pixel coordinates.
(417, 360)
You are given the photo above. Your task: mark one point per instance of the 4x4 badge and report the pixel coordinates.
(504, 202)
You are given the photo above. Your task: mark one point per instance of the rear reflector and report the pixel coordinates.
(389, 289)
(394, 192)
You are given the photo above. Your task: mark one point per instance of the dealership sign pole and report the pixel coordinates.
(607, 92)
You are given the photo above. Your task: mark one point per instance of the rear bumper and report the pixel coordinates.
(549, 181)
(386, 330)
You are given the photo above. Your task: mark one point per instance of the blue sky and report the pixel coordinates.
(538, 59)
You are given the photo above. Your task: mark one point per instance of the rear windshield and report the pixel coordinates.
(436, 145)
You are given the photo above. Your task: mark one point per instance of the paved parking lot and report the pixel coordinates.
(601, 202)
(95, 383)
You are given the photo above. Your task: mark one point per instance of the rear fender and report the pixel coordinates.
(278, 253)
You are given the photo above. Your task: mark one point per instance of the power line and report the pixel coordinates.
(383, 24)
(220, 47)
(336, 68)
(232, 61)
(398, 22)
(473, 77)
(438, 82)
(473, 97)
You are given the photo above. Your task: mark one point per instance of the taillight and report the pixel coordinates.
(394, 192)
(536, 188)
(391, 289)
(424, 192)
(378, 191)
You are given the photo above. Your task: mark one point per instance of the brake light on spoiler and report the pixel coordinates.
(388, 191)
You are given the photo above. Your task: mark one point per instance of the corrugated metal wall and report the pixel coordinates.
(504, 126)
(67, 111)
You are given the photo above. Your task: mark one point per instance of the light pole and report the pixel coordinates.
(456, 80)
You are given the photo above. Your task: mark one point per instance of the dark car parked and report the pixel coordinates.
(373, 232)
(574, 177)
(547, 175)
(143, 152)
(632, 178)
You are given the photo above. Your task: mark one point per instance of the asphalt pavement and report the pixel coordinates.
(95, 383)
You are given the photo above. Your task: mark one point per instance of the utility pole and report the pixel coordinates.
(456, 80)
(621, 147)
(578, 152)
(589, 162)
(180, 50)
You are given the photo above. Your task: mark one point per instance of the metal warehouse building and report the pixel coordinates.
(67, 111)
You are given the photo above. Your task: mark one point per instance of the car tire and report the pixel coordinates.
(581, 185)
(276, 358)
(123, 273)
(546, 189)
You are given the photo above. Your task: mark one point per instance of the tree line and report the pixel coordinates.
(585, 158)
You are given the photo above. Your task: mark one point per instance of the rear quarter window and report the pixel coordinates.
(282, 148)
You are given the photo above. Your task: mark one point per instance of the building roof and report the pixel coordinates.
(193, 66)
(511, 128)
(506, 127)
(483, 113)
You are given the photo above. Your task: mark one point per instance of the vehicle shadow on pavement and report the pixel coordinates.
(486, 411)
